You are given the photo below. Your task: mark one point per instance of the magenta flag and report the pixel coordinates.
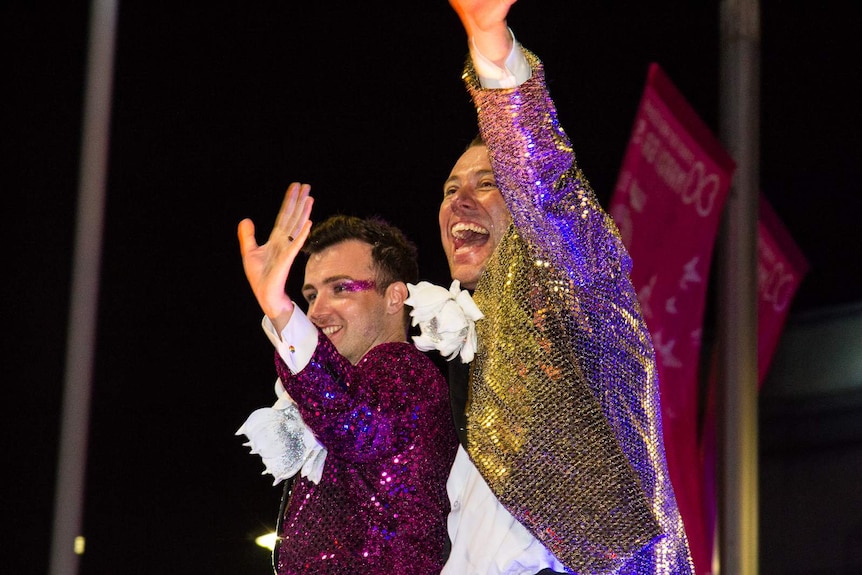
(781, 266)
(780, 269)
(668, 203)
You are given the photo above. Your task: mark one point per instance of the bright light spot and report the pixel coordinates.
(79, 544)
(267, 540)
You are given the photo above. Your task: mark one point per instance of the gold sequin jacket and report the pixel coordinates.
(563, 417)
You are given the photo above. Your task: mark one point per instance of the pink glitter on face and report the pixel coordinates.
(355, 285)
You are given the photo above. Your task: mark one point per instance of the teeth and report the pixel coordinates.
(329, 330)
(461, 227)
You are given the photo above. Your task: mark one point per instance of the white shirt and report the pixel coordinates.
(486, 539)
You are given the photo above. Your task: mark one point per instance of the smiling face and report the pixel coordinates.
(473, 216)
(343, 299)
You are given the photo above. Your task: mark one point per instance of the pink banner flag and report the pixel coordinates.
(668, 203)
(780, 269)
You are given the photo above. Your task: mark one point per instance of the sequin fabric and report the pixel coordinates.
(381, 503)
(563, 417)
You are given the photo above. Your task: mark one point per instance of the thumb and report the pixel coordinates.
(245, 233)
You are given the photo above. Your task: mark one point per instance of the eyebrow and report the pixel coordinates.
(326, 281)
(357, 285)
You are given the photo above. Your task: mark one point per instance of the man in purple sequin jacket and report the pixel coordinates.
(371, 452)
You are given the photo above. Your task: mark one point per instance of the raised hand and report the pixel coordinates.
(485, 22)
(267, 266)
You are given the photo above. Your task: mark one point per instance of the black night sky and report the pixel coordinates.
(217, 108)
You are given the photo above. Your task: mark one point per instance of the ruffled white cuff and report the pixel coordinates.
(285, 444)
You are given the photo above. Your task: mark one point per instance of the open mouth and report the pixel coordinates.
(467, 235)
(330, 329)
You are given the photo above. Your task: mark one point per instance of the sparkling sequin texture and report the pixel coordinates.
(563, 418)
(381, 504)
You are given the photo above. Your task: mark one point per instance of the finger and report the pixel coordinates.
(298, 213)
(285, 253)
(303, 222)
(285, 215)
(301, 236)
(245, 233)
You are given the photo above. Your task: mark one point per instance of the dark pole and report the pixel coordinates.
(737, 311)
(67, 541)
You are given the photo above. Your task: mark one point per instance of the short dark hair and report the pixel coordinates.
(395, 257)
(477, 140)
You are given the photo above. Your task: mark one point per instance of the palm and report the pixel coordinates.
(267, 266)
(481, 15)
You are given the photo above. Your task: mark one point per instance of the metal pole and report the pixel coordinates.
(66, 544)
(737, 310)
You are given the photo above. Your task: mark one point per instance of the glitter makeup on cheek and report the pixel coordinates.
(357, 285)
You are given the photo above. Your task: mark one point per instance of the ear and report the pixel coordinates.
(396, 293)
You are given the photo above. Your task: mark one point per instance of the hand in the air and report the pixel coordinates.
(267, 266)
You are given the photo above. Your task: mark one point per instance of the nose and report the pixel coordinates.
(463, 199)
(317, 308)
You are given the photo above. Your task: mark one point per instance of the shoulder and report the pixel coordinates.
(401, 357)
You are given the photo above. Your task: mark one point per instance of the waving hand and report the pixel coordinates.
(267, 266)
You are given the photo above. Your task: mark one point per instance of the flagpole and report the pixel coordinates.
(737, 296)
(67, 540)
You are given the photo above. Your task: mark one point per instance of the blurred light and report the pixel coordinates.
(79, 545)
(267, 540)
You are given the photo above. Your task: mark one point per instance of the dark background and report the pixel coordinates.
(217, 108)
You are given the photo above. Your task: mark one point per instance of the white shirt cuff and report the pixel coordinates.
(297, 341)
(515, 72)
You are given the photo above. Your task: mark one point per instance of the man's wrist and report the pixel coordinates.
(281, 318)
(513, 71)
(495, 45)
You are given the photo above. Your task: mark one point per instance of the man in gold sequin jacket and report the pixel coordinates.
(562, 465)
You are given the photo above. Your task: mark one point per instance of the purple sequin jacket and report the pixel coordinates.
(381, 504)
